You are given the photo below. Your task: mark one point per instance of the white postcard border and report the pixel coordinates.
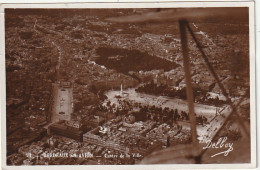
(136, 5)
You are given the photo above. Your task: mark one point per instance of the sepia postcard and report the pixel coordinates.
(134, 85)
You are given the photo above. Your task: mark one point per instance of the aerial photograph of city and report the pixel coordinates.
(127, 86)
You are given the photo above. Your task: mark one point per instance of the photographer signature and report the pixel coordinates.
(221, 143)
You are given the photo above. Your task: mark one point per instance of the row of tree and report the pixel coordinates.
(200, 95)
(146, 112)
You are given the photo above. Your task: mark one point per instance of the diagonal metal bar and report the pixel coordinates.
(218, 80)
(189, 93)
